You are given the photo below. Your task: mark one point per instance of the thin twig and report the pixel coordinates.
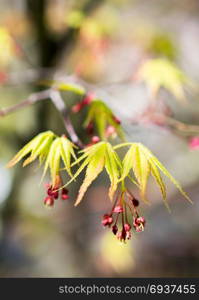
(183, 128)
(61, 107)
(167, 121)
(33, 98)
(186, 129)
(58, 102)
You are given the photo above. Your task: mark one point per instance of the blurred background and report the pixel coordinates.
(103, 43)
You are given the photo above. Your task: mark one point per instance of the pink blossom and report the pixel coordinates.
(194, 143)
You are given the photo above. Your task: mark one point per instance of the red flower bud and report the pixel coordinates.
(139, 224)
(64, 194)
(118, 209)
(194, 143)
(77, 107)
(86, 101)
(121, 235)
(116, 120)
(49, 201)
(90, 128)
(115, 229)
(107, 220)
(53, 193)
(64, 197)
(95, 139)
(127, 227)
(128, 235)
(135, 202)
(110, 131)
(141, 220)
(64, 191)
(88, 98)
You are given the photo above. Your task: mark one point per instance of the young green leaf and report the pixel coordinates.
(66, 152)
(41, 149)
(61, 150)
(141, 168)
(94, 168)
(49, 149)
(64, 86)
(159, 72)
(135, 160)
(142, 162)
(101, 115)
(96, 158)
(53, 159)
(37, 147)
(112, 165)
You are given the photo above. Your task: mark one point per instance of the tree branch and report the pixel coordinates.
(58, 102)
(61, 107)
(33, 98)
(167, 121)
(52, 47)
(186, 129)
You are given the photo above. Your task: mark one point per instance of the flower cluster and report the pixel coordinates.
(124, 203)
(54, 192)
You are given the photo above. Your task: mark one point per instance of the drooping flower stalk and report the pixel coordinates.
(124, 216)
(55, 192)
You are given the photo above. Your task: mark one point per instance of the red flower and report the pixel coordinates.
(107, 220)
(86, 101)
(64, 194)
(49, 201)
(54, 192)
(123, 203)
(118, 209)
(194, 143)
(139, 224)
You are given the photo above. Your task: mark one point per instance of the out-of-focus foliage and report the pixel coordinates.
(157, 73)
(7, 47)
(155, 41)
(70, 87)
(75, 18)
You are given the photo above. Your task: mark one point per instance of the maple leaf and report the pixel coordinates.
(161, 73)
(64, 86)
(95, 158)
(101, 115)
(61, 150)
(38, 147)
(142, 162)
(50, 148)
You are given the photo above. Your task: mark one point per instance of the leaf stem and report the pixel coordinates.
(123, 188)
